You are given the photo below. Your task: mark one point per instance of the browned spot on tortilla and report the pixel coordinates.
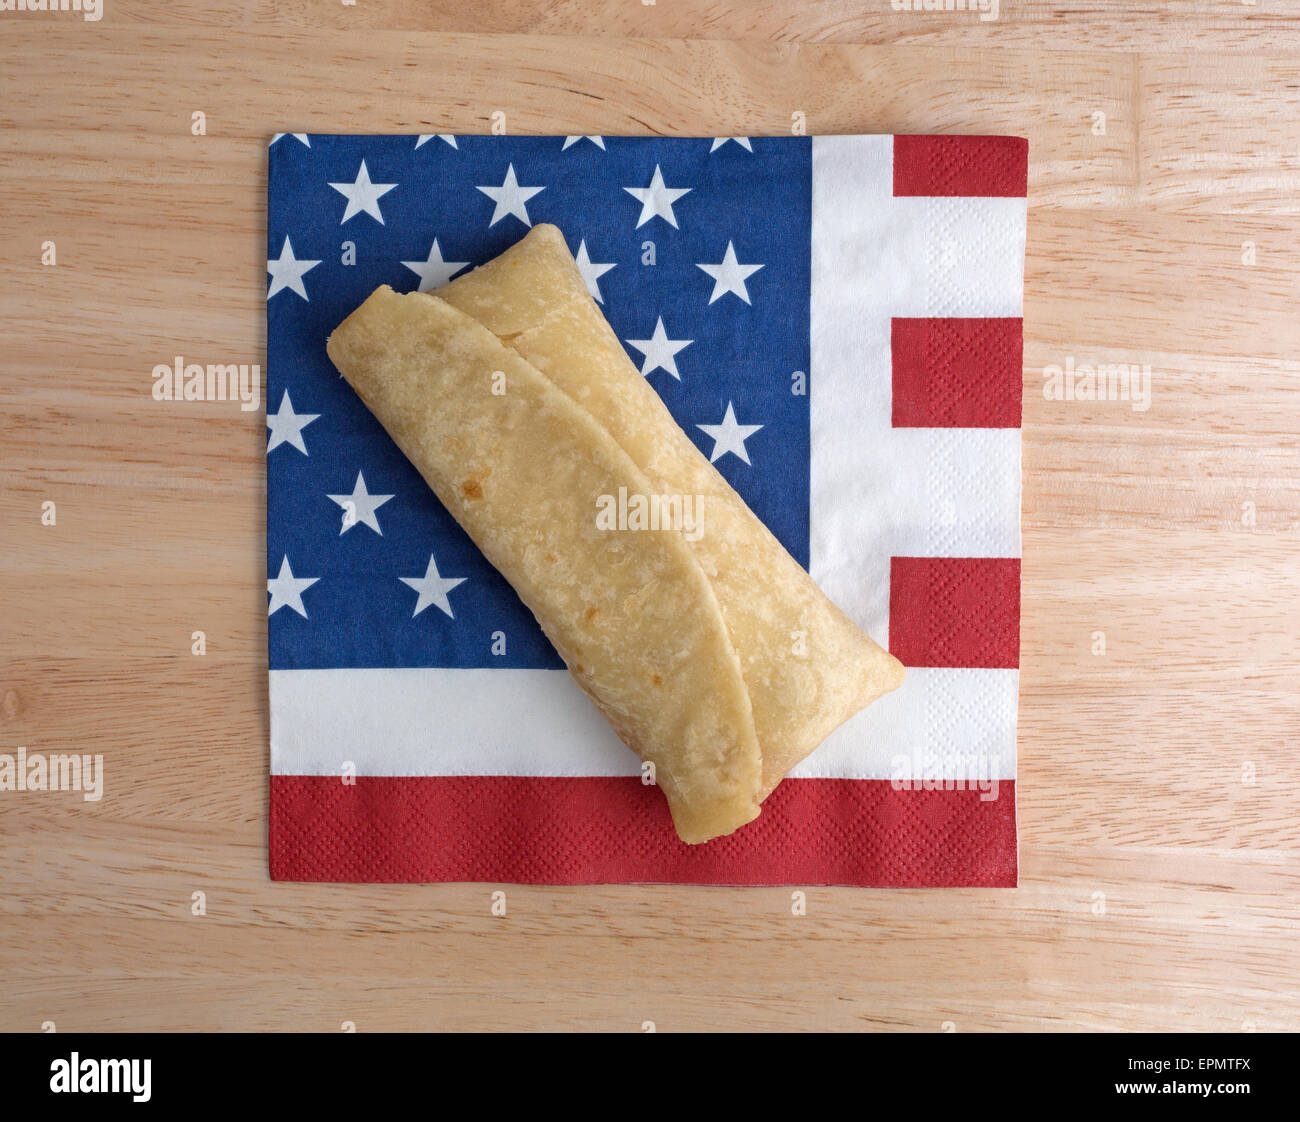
(472, 485)
(592, 613)
(551, 558)
(658, 681)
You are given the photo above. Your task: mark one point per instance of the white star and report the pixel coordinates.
(591, 272)
(570, 141)
(302, 136)
(419, 140)
(287, 272)
(286, 426)
(286, 590)
(729, 436)
(719, 141)
(360, 507)
(362, 195)
(432, 588)
(729, 275)
(435, 272)
(657, 200)
(510, 198)
(660, 351)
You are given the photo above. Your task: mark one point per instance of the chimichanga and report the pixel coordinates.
(806, 666)
(521, 467)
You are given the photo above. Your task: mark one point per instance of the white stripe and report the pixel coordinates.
(939, 724)
(439, 722)
(966, 256)
(929, 493)
(538, 723)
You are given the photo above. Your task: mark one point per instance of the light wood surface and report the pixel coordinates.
(1159, 890)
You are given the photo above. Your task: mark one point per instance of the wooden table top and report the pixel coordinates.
(1158, 781)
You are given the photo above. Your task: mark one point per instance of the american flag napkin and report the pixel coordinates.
(836, 323)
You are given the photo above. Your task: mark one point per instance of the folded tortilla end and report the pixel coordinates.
(697, 831)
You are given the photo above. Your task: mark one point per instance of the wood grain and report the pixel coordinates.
(1158, 779)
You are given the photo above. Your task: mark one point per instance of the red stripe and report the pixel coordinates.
(961, 165)
(957, 373)
(955, 611)
(514, 829)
